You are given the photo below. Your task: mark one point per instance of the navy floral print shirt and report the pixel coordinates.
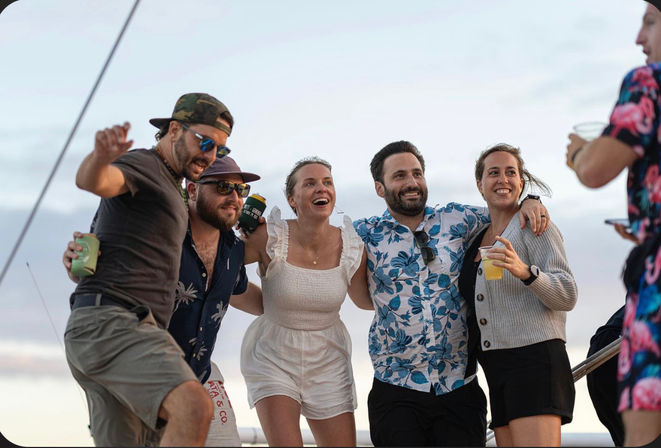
(198, 310)
(418, 337)
(635, 121)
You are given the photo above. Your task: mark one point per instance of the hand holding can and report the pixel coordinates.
(252, 210)
(85, 264)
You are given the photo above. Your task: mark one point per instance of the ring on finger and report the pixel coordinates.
(543, 216)
(506, 260)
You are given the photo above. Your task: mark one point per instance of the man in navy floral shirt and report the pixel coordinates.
(211, 277)
(423, 393)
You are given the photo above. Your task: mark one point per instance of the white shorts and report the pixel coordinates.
(223, 430)
(312, 367)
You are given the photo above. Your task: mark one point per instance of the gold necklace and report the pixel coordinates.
(312, 254)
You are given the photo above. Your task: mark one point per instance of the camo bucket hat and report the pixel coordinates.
(198, 108)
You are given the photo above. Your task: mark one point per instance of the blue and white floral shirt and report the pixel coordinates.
(418, 337)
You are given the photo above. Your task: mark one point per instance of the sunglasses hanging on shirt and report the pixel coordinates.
(421, 239)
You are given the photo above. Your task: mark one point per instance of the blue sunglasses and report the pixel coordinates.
(207, 143)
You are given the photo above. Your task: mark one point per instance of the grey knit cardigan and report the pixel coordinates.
(511, 314)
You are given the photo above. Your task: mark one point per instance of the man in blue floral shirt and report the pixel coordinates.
(423, 392)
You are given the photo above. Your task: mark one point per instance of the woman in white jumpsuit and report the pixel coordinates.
(296, 357)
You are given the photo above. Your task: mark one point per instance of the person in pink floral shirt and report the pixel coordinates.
(633, 140)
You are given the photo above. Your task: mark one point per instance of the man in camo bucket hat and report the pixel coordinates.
(145, 390)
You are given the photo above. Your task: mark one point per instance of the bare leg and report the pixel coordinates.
(641, 427)
(188, 410)
(503, 436)
(279, 416)
(537, 430)
(335, 431)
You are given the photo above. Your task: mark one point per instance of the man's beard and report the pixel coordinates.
(406, 208)
(211, 215)
(181, 156)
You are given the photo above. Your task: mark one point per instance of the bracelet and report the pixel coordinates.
(573, 156)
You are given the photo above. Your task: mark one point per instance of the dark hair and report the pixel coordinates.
(290, 182)
(162, 131)
(376, 165)
(528, 178)
(226, 116)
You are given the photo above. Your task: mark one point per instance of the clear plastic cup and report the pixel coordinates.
(491, 272)
(589, 130)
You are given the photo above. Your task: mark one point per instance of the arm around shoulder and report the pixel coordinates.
(358, 290)
(250, 301)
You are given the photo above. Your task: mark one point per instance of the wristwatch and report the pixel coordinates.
(534, 273)
(531, 196)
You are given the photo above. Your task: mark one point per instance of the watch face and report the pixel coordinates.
(535, 270)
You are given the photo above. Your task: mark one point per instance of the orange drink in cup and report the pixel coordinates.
(491, 272)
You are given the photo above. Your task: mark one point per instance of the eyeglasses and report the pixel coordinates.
(421, 239)
(225, 187)
(207, 143)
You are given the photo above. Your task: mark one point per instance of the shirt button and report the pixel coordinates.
(487, 344)
(483, 321)
(480, 297)
(479, 271)
(200, 328)
(204, 274)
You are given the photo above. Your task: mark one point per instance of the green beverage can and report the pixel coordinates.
(251, 212)
(85, 264)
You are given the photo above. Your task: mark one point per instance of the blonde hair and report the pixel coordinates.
(290, 182)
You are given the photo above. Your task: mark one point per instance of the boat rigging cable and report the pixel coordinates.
(43, 302)
(66, 144)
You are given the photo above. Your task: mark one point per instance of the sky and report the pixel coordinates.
(338, 80)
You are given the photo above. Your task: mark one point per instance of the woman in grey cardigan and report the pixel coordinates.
(519, 320)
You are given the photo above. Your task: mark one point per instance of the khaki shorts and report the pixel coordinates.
(126, 367)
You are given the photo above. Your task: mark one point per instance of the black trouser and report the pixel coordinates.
(602, 382)
(406, 417)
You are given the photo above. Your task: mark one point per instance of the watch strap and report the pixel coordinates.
(534, 271)
(531, 196)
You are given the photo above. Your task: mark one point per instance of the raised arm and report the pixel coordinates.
(250, 301)
(96, 174)
(358, 290)
(630, 133)
(598, 162)
(255, 244)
